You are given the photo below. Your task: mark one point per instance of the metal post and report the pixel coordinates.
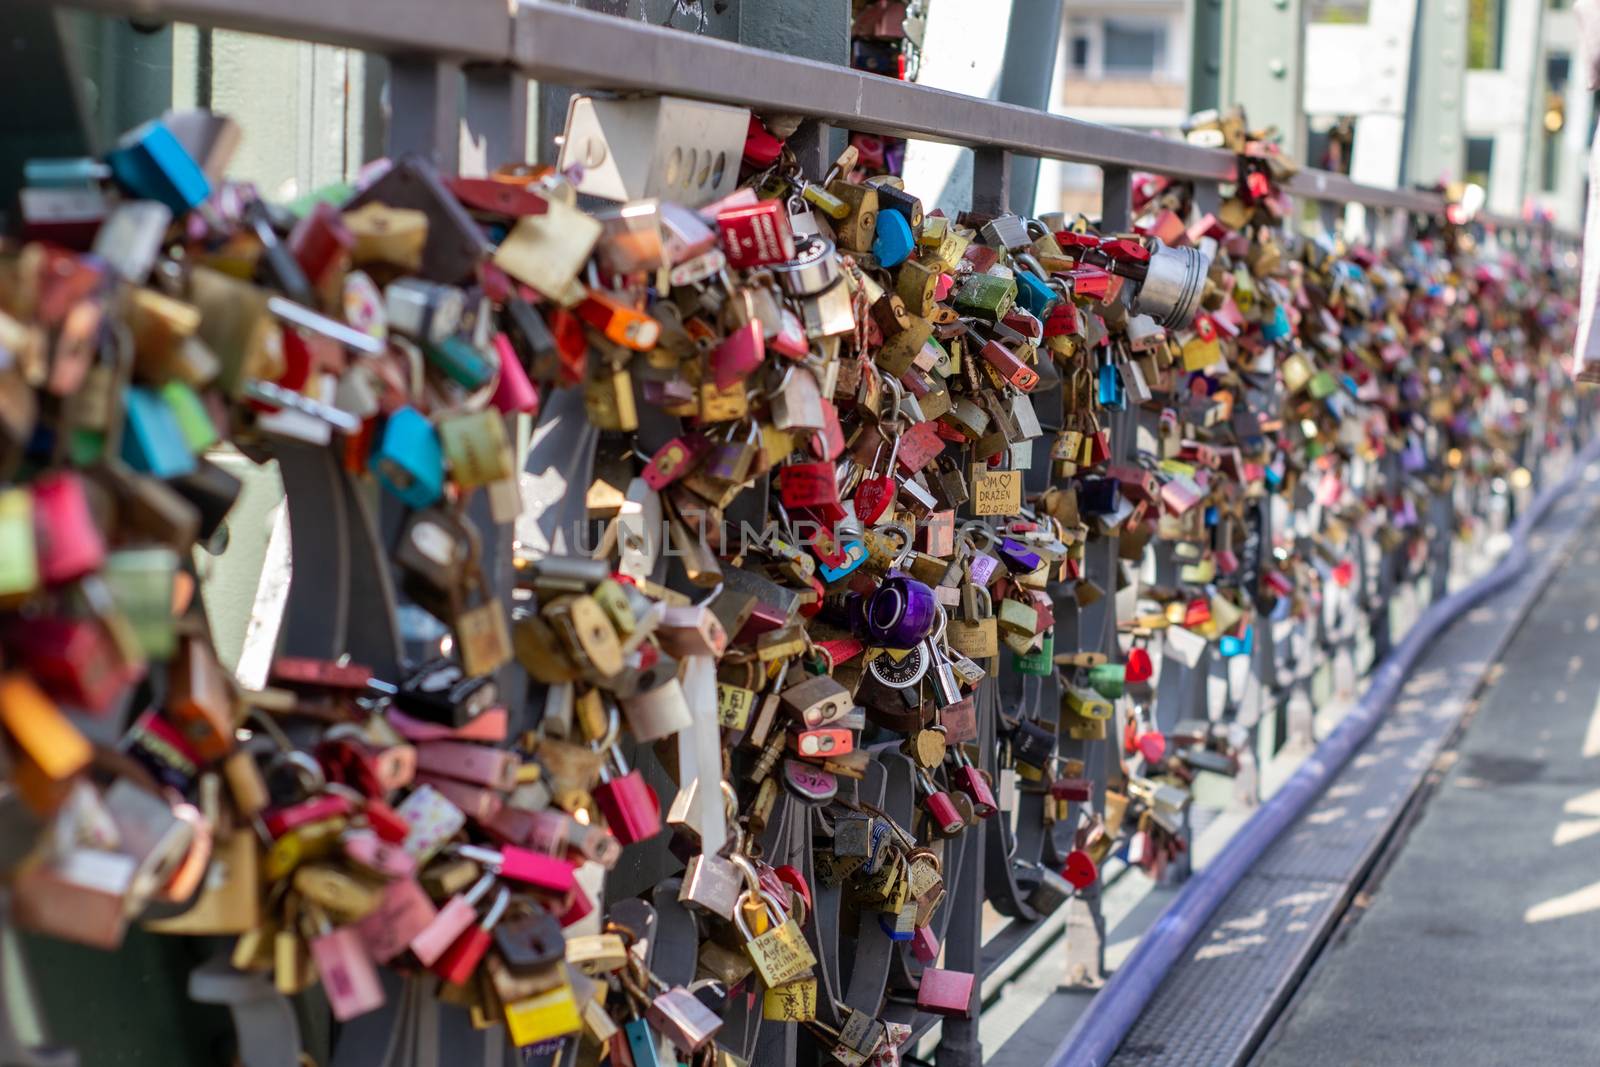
(1205, 57)
(425, 109)
(496, 120)
(1032, 43)
(1116, 199)
(1263, 67)
(1435, 148)
(991, 180)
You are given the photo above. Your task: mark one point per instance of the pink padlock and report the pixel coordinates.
(482, 765)
(630, 806)
(924, 944)
(546, 874)
(372, 853)
(401, 916)
(69, 542)
(514, 393)
(452, 920)
(945, 992)
(349, 977)
(737, 357)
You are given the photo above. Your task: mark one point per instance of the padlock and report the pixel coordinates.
(543, 1016)
(631, 809)
(781, 954)
(460, 959)
(976, 633)
(680, 1016)
(947, 820)
(530, 939)
(975, 784)
(409, 461)
(859, 227)
(349, 977)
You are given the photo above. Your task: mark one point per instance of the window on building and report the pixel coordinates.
(1480, 160)
(1557, 72)
(1134, 47)
(1079, 55)
(1339, 11)
(1486, 23)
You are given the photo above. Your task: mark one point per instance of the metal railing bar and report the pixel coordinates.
(461, 29)
(595, 51)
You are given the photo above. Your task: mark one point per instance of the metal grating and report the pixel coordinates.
(1227, 988)
(1216, 1004)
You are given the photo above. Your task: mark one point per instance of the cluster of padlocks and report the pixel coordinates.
(845, 460)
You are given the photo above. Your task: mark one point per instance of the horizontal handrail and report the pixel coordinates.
(587, 50)
(468, 30)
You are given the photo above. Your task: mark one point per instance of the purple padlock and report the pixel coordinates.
(1018, 557)
(899, 614)
(981, 568)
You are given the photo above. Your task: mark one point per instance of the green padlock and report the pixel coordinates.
(1108, 679)
(194, 422)
(141, 583)
(986, 296)
(1042, 660)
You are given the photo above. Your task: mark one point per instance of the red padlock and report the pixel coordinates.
(756, 235)
(919, 446)
(631, 809)
(947, 820)
(461, 959)
(386, 822)
(320, 240)
(971, 781)
(1079, 869)
(810, 485)
(1062, 320)
(873, 497)
(675, 459)
(1074, 790)
(1139, 667)
(761, 147)
(791, 877)
(924, 944)
(1008, 366)
(74, 660)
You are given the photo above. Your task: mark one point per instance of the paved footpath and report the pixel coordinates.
(1478, 945)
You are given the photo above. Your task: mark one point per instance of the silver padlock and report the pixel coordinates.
(659, 712)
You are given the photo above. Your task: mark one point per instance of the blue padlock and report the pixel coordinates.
(893, 242)
(1231, 646)
(152, 440)
(1033, 293)
(410, 461)
(642, 1044)
(855, 555)
(886, 923)
(151, 164)
(1277, 328)
(1112, 393)
(76, 173)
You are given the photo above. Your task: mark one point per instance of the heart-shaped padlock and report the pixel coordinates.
(1079, 869)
